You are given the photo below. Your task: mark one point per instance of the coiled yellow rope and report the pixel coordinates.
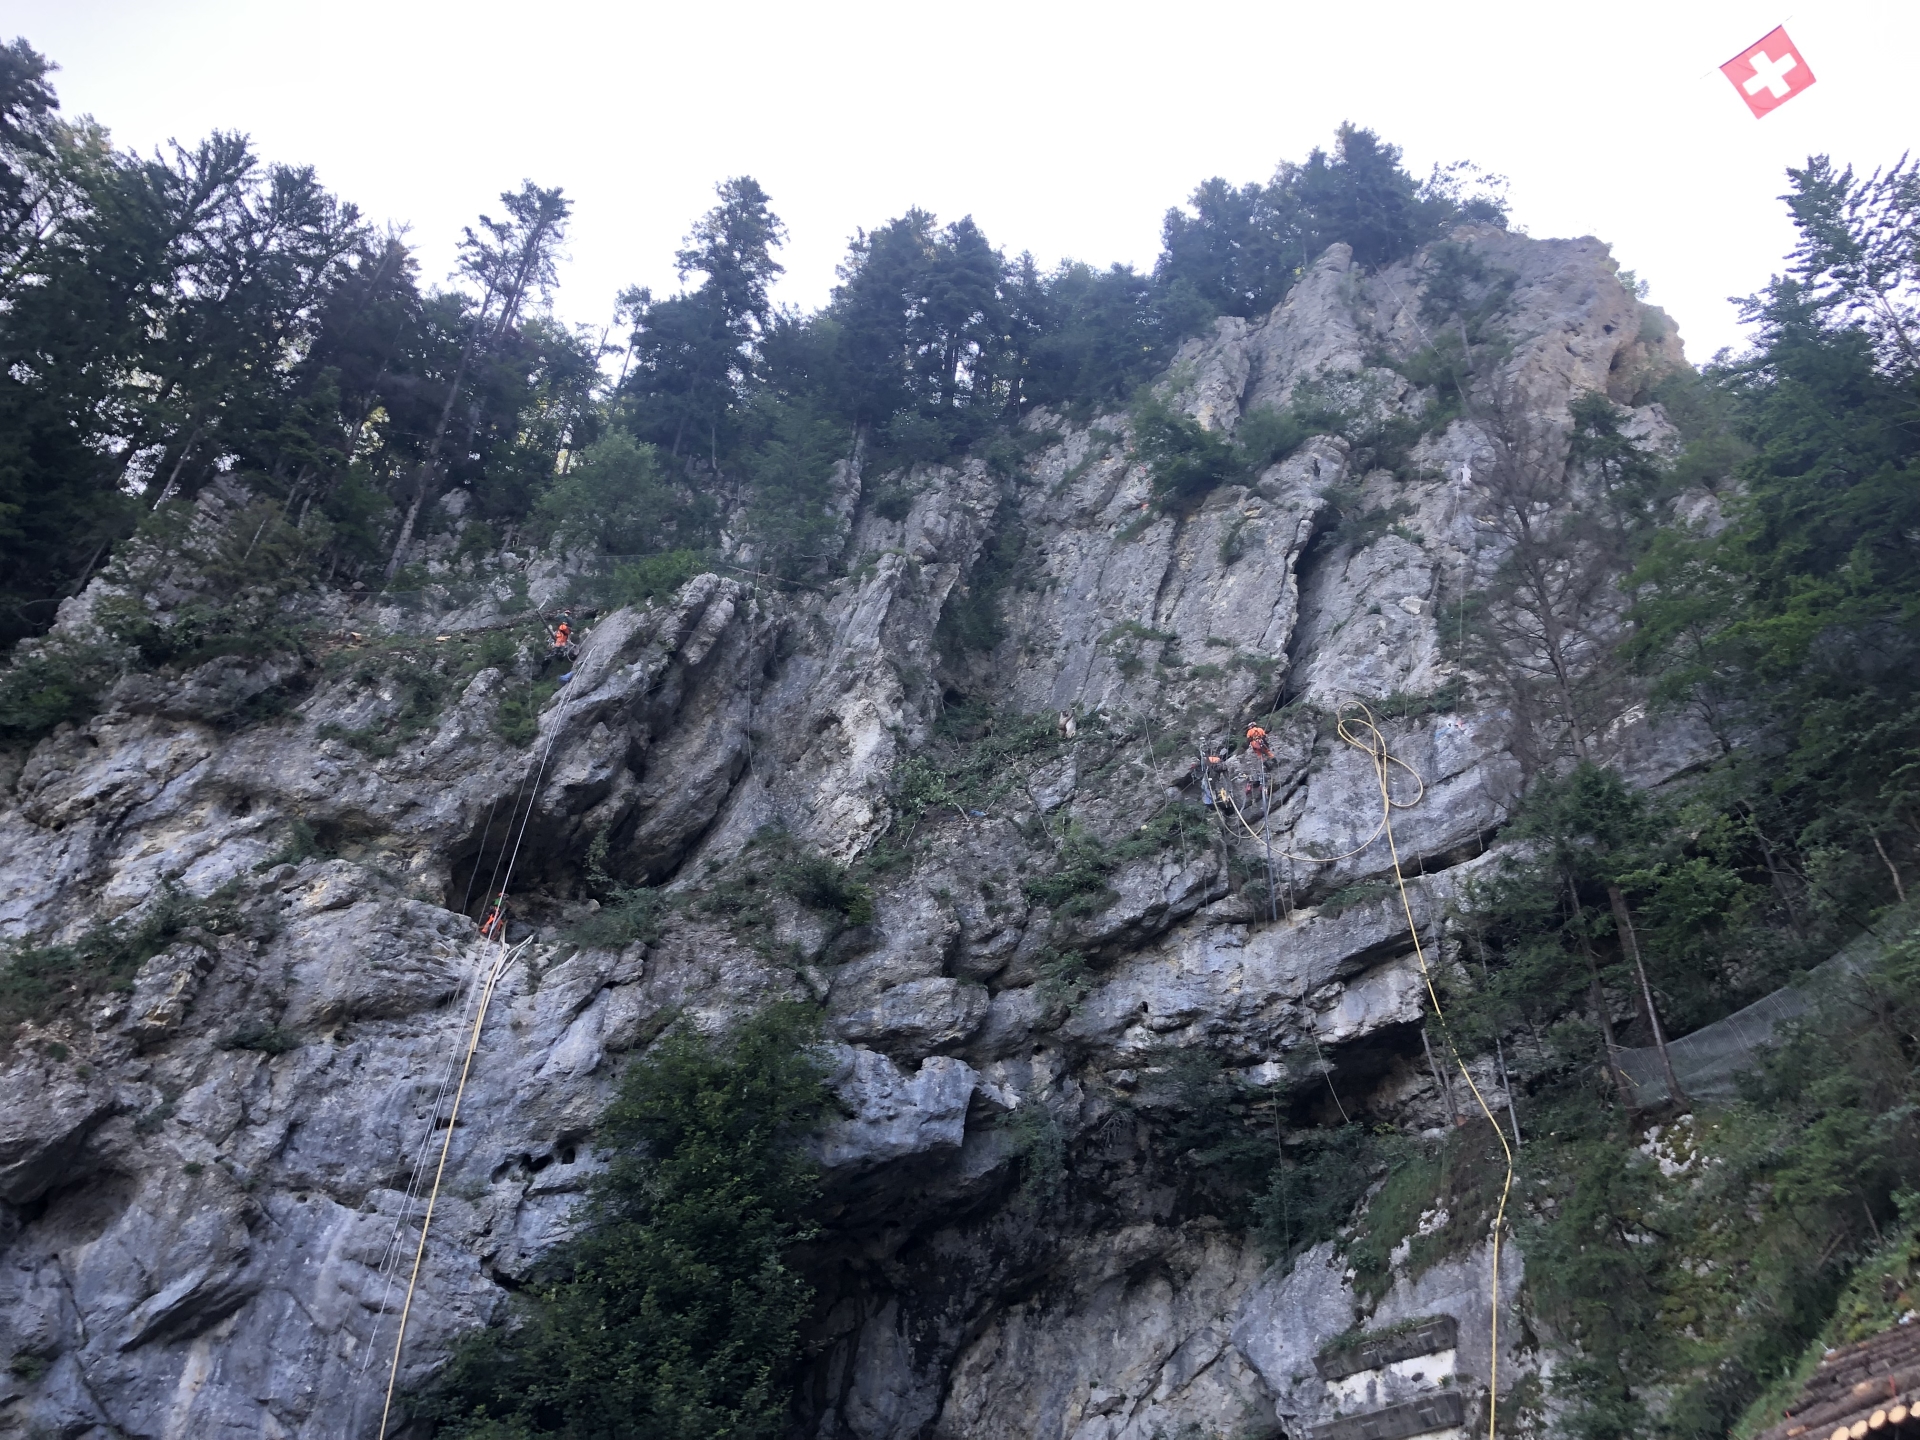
(1419, 794)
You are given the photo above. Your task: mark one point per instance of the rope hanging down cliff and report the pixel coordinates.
(1362, 731)
(503, 955)
(416, 1175)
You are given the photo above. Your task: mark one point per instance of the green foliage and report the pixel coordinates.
(1627, 477)
(1133, 630)
(197, 631)
(1266, 436)
(1040, 1142)
(971, 622)
(616, 498)
(199, 313)
(1437, 1199)
(1355, 523)
(1315, 1191)
(516, 719)
(418, 680)
(1443, 699)
(1702, 409)
(326, 382)
(53, 681)
(1800, 620)
(1075, 883)
(675, 1311)
(1187, 459)
(1459, 288)
(149, 1121)
(1064, 981)
(655, 577)
(774, 863)
(420, 689)
(477, 539)
(789, 456)
(1693, 1289)
(892, 502)
(979, 758)
(37, 980)
(1884, 1287)
(303, 843)
(1242, 249)
(28, 1368)
(628, 914)
(1352, 1339)
(1208, 1124)
(631, 915)
(690, 354)
(820, 884)
(1707, 925)
(231, 573)
(1087, 338)
(1351, 897)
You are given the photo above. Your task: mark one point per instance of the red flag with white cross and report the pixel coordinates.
(1769, 72)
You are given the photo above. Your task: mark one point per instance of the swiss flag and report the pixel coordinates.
(1769, 72)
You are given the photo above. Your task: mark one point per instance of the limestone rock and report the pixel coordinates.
(205, 1181)
(894, 1115)
(919, 1016)
(164, 990)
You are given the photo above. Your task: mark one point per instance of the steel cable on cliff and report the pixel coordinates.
(1362, 731)
(502, 957)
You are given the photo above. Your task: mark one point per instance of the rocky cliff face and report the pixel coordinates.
(206, 1179)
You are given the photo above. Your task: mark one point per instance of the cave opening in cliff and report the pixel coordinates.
(1357, 1073)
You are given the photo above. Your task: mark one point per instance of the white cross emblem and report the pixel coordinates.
(1770, 74)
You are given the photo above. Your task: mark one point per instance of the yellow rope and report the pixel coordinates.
(1419, 794)
(433, 1196)
(473, 1044)
(1364, 734)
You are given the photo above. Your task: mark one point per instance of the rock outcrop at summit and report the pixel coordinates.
(206, 1176)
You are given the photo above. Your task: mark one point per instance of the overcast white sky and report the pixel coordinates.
(1063, 128)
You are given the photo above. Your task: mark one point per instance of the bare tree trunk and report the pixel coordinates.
(1624, 919)
(86, 570)
(1500, 1051)
(166, 490)
(406, 526)
(429, 469)
(510, 299)
(1899, 889)
(1598, 999)
(1773, 874)
(1440, 1079)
